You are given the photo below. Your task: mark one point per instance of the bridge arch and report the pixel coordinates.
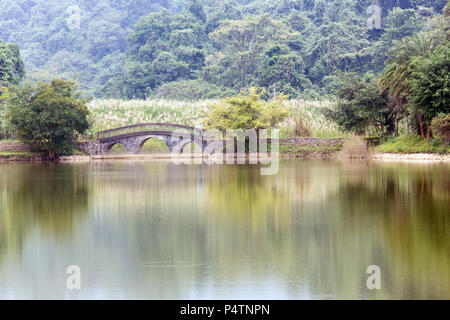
(195, 146)
(133, 138)
(181, 146)
(110, 147)
(150, 139)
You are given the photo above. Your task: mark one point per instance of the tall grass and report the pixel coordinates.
(308, 120)
(413, 144)
(306, 117)
(108, 114)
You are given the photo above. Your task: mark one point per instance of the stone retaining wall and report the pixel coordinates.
(13, 146)
(315, 141)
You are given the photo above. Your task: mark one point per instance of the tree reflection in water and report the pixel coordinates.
(156, 230)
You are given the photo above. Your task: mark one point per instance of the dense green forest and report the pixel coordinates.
(204, 48)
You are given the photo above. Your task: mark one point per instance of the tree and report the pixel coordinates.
(430, 83)
(399, 23)
(245, 48)
(246, 112)
(361, 107)
(397, 74)
(12, 68)
(12, 71)
(441, 127)
(47, 116)
(164, 49)
(284, 69)
(5, 127)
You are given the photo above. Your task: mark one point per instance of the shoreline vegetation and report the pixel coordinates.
(385, 157)
(325, 149)
(304, 133)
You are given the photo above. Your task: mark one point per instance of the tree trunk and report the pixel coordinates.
(52, 155)
(390, 126)
(421, 125)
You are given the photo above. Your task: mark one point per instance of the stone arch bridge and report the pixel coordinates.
(133, 137)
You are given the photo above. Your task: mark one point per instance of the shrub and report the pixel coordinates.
(441, 128)
(413, 144)
(246, 111)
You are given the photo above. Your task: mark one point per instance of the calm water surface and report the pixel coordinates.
(141, 230)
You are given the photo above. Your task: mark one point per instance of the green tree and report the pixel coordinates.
(164, 48)
(47, 117)
(430, 83)
(361, 107)
(243, 53)
(399, 23)
(12, 69)
(397, 73)
(284, 70)
(5, 127)
(331, 36)
(246, 112)
(442, 25)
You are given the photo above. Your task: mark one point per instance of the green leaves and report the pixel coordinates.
(361, 107)
(47, 116)
(227, 43)
(246, 112)
(430, 83)
(164, 48)
(441, 128)
(12, 69)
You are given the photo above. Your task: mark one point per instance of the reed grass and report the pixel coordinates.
(111, 113)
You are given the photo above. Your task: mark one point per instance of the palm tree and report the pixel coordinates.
(397, 73)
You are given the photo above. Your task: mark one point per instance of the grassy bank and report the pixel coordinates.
(413, 144)
(320, 148)
(17, 155)
(15, 150)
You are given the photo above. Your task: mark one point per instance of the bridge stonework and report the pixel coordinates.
(134, 144)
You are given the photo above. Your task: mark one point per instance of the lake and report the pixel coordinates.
(154, 230)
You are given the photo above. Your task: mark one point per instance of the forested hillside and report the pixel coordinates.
(206, 48)
(81, 40)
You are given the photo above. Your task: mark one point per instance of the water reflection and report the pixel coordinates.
(160, 231)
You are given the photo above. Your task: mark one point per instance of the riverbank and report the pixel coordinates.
(385, 157)
(299, 148)
(411, 157)
(12, 150)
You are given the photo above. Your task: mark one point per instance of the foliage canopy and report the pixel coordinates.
(361, 107)
(47, 116)
(246, 111)
(130, 49)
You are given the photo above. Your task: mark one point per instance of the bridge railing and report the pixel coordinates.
(143, 127)
(87, 137)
